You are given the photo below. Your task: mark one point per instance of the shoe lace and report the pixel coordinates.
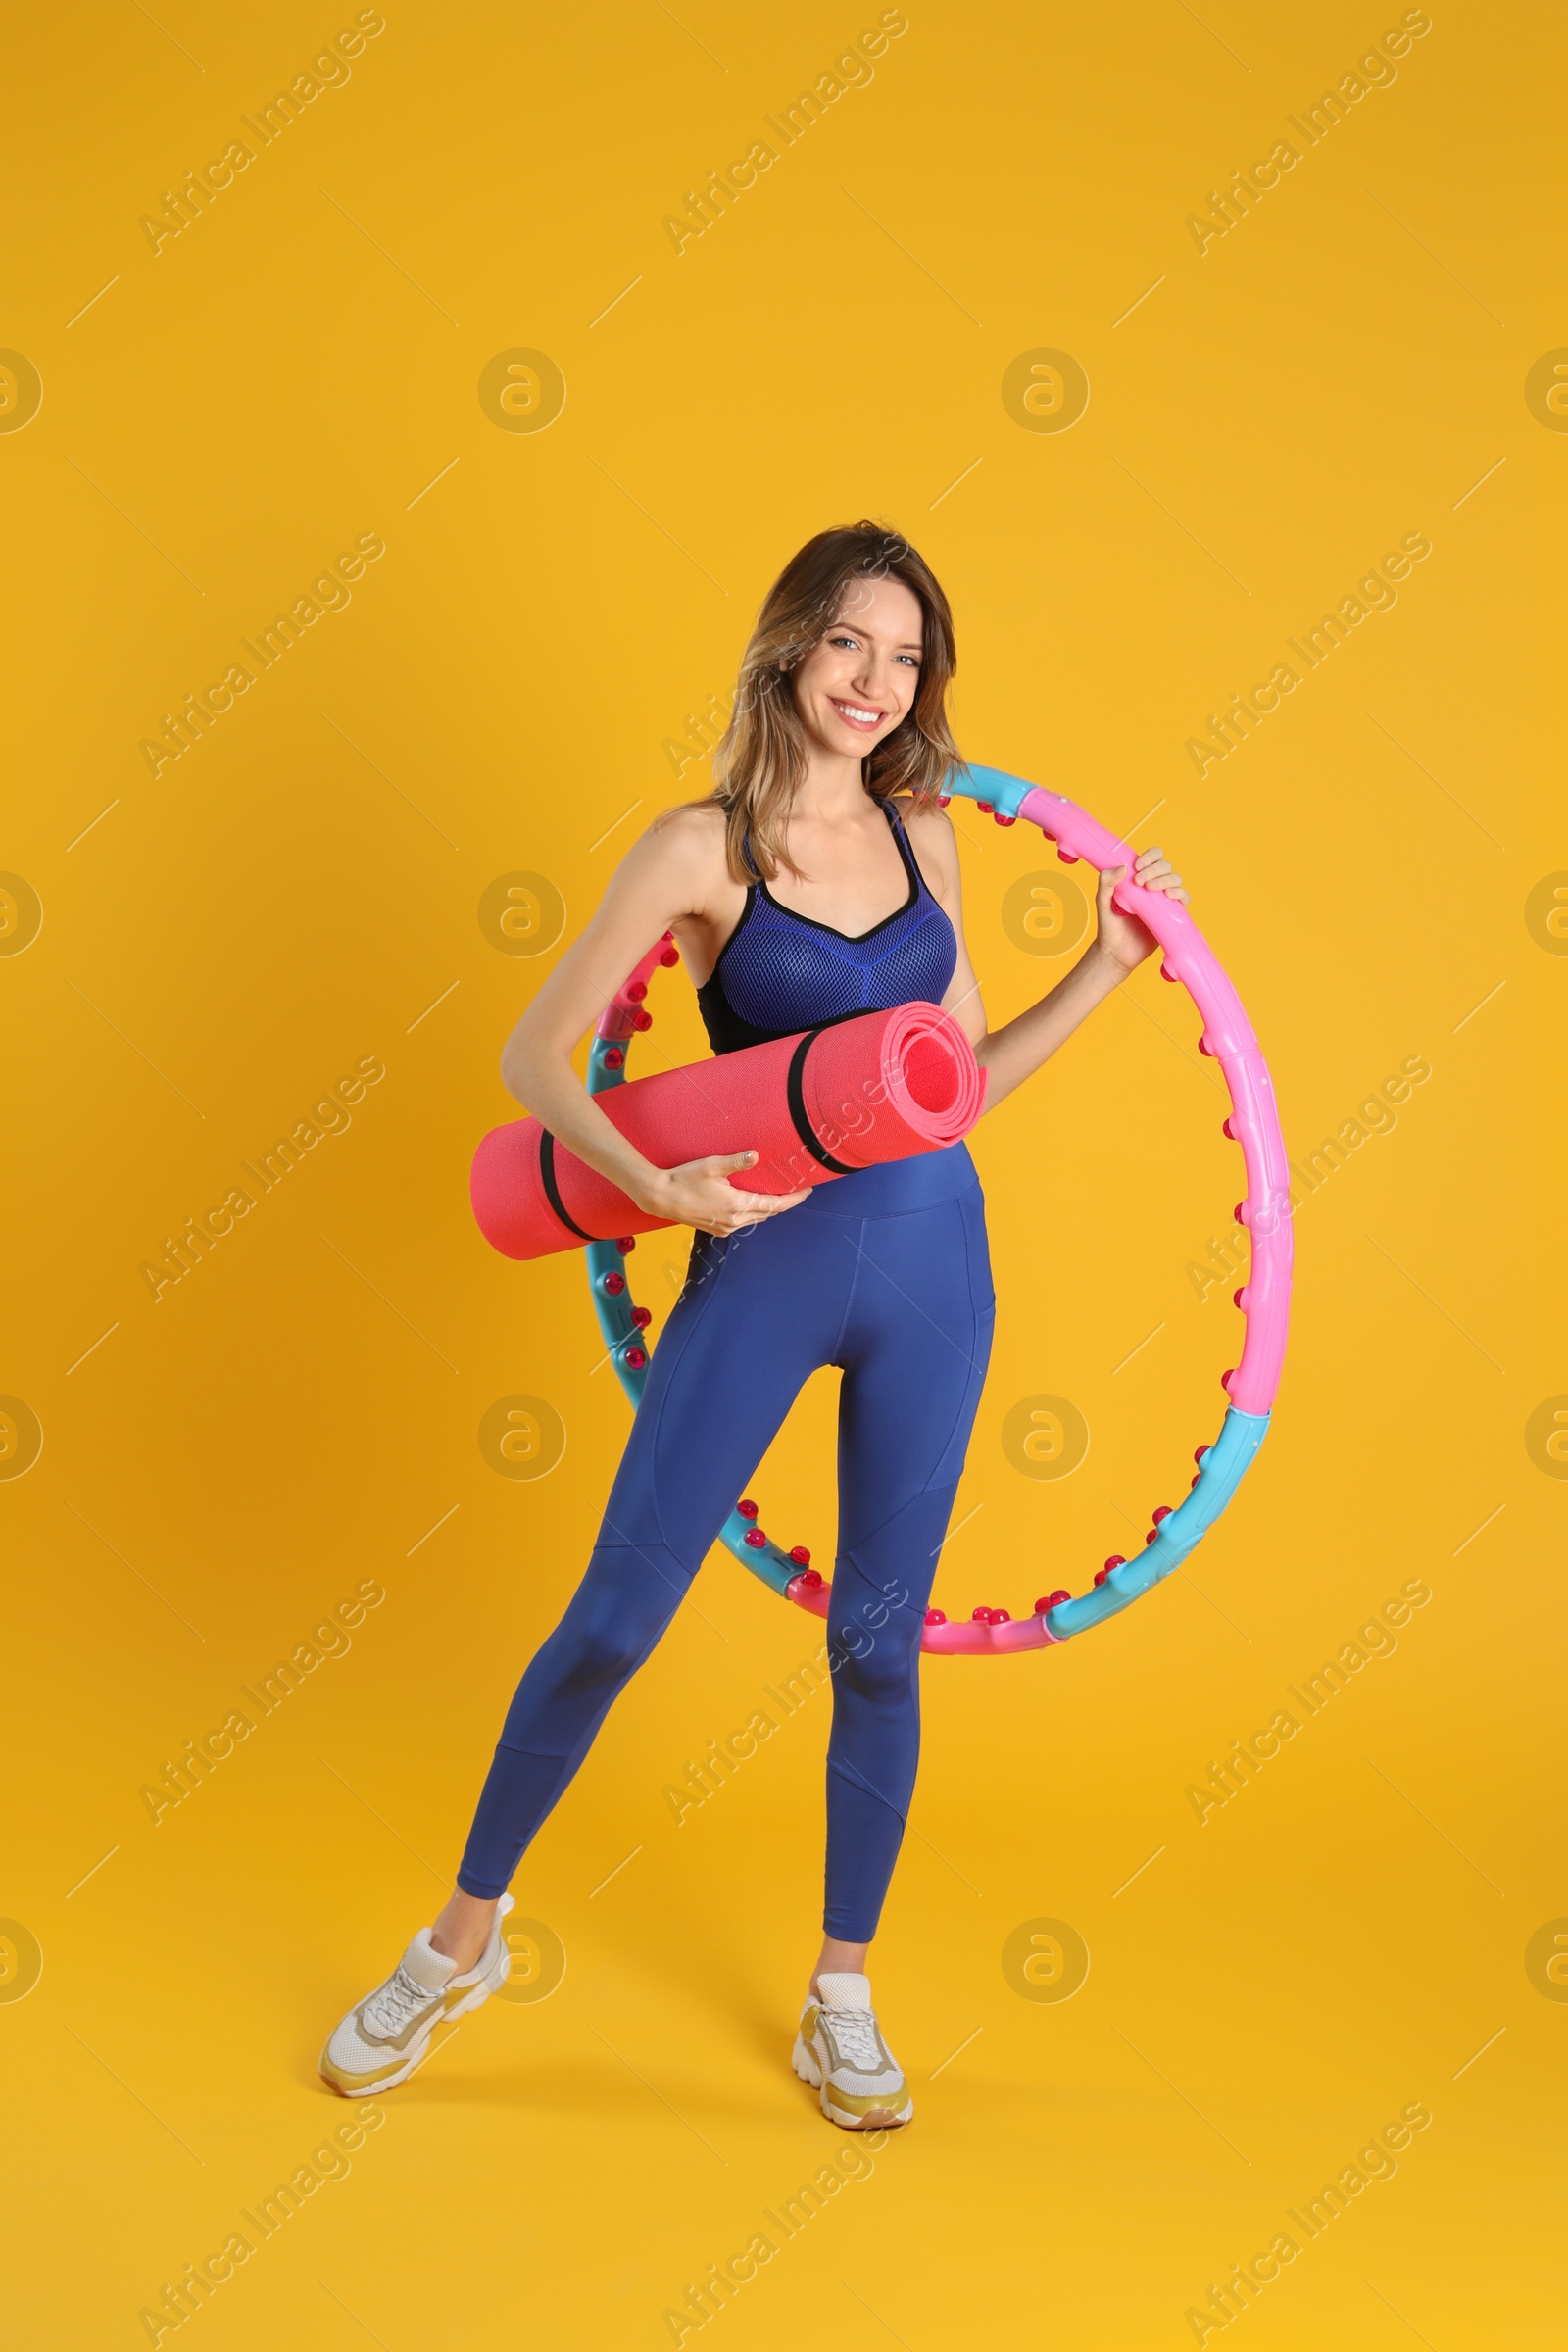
(399, 1999)
(855, 2033)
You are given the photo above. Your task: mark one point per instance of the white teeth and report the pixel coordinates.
(852, 711)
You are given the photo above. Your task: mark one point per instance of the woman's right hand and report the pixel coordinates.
(700, 1194)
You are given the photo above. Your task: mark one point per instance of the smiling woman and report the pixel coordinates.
(819, 882)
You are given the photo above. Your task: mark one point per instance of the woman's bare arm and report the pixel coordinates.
(665, 877)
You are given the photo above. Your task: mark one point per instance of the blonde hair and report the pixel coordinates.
(760, 760)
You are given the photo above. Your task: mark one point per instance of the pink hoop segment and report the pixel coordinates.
(1227, 1036)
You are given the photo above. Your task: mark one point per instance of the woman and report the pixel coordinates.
(819, 880)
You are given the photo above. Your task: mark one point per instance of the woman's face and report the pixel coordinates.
(860, 679)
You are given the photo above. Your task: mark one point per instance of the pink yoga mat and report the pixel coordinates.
(884, 1086)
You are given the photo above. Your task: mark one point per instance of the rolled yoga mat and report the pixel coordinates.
(883, 1086)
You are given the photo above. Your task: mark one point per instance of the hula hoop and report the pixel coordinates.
(1264, 1298)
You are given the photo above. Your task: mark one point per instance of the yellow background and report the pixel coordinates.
(296, 367)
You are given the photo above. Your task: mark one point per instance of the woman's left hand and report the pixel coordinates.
(1121, 936)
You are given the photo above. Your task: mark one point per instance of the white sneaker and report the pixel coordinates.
(379, 2044)
(840, 2051)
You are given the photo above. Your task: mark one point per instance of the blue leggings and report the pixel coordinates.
(886, 1274)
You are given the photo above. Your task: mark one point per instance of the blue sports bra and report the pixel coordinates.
(779, 972)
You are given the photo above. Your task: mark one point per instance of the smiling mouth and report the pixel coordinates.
(858, 715)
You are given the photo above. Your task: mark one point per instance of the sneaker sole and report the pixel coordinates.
(878, 2119)
(350, 2086)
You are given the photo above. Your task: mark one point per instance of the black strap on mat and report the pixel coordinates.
(547, 1171)
(795, 1092)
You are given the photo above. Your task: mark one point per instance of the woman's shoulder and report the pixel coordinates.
(691, 833)
(930, 832)
(692, 820)
(686, 847)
